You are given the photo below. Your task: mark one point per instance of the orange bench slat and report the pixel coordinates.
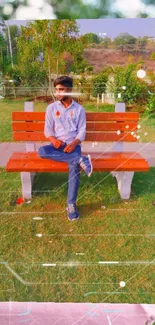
(31, 166)
(109, 162)
(28, 116)
(95, 126)
(95, 155)
(112, 116)
(105, 137)
(90, 116)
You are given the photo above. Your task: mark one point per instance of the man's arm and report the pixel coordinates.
(76, 142)
(49, 125)
(81, 127)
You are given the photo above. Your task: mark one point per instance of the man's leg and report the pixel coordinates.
(57, 154)
(72, 158)
(74, 180)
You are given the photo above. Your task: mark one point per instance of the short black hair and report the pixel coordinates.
(64, 80)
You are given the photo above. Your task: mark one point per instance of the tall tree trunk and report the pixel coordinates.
(49, 75)
(57, 66)
(10, 44)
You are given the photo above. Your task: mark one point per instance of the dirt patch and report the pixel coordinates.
(99, 58)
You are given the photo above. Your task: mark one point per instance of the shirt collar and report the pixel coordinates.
(72, 103)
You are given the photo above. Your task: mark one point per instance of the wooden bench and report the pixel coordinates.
(101, 127)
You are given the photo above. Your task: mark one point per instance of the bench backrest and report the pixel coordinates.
(106, 127)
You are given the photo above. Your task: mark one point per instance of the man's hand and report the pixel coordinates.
(70, 147)
(56, 143)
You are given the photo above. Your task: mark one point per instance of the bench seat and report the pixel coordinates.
(109, 161)
(116, 127)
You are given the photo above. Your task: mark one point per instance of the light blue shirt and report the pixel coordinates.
(66, 124)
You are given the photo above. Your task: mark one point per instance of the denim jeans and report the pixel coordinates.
(72, 158)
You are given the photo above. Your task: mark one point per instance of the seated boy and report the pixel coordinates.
(65, 127)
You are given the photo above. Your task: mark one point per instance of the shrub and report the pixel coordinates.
(136, 90)
(99, 84)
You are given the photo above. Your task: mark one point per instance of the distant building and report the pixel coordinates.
(152, 39)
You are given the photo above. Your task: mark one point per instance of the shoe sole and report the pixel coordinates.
(73, 219)
(89, 158)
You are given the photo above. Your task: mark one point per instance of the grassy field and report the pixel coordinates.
(8, 106)
(109, 229)
(123, 232)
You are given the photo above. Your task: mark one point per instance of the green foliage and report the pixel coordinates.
(14, 34)
(99, 84)
(91, 38)
(151, 104)
(142, 42)
(90, 68)
(78, 9)
(74, 10)
(5, 60)
(106, 42)
(2, 52)
(53, 38)
(136, 90)
(16, 75)
(125, 41)
(2, 40)
(79, 65)
(34, 75)
(152, 56)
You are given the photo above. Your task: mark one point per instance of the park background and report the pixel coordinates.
(104, 69)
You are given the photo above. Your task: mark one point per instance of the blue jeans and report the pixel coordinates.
(72, 158)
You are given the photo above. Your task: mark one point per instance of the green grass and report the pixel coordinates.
(8, 106)
(124, 224)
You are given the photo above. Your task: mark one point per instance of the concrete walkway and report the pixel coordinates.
(147, 150)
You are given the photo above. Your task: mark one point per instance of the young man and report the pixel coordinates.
(65, 127)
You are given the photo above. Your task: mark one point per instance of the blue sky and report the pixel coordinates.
(112, 27)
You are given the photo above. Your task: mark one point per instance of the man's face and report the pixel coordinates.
(61, 92)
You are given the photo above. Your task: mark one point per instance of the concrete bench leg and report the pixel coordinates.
(27, 181)
(124, 181)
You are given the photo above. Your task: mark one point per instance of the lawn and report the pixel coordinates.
(109, 230)
(121, 232)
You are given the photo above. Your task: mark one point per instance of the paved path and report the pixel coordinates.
(147, 150)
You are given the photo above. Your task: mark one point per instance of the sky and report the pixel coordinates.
(112, 27)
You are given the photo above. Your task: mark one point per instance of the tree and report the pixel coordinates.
(100, 83)
(2, 51)
(91, 38)
(135, 89)
(106, 42)
(74, 10)
(5, 26)
(53, 38)
(152, 56)
(14, 34)
(125, 41)
(78, 9)
(143, 42)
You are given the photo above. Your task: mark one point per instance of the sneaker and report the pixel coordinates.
(86, 165)
(72, 212)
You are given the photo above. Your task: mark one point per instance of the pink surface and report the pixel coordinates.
(37, 313)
